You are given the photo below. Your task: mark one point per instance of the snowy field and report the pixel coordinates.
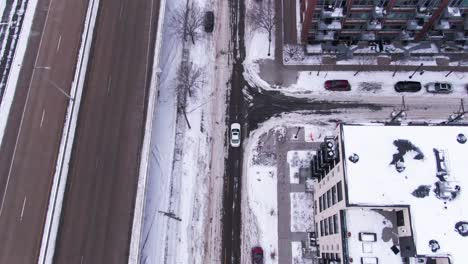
(298, 159)
(302, 212)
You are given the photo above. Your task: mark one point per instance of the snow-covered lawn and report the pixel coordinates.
(262, 201)
(302, 212)
(297, 258)
(298, 159)
(318, 133)
(198, 160)
(257, 40)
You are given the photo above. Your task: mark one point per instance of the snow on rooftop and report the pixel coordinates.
(373, 180)
(367, 221)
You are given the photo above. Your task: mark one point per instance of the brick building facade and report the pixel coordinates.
(386, 20)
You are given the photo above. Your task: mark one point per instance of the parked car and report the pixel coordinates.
(439, 87)
(235, 135)
(408, 86)
(337, 85)
(208, 21)
(257, 255)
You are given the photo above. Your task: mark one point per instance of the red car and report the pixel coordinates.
(337, 85)
(257, 255)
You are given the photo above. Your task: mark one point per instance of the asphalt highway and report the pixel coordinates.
(29, 149)
(100, 194)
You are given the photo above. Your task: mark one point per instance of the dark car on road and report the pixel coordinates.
(208, 21)
(257, 255)
(337, 85)
(408, 86)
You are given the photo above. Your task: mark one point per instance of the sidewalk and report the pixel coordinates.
(285, 188)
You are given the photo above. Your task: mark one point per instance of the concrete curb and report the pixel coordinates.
(137, 227)
(54, 208)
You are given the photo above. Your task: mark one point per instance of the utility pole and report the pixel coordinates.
(456, 116)
(170, 215)
(417, 69)
(399, 114)
(60, 90)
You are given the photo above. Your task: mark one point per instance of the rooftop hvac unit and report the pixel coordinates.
(329, 148)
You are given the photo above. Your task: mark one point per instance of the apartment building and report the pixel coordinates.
(385, 20)
(392, 195)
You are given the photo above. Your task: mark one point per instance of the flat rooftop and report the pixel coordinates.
(403, 165)
(365, 221)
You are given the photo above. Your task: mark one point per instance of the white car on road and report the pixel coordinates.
(439, 87)
(235, 135)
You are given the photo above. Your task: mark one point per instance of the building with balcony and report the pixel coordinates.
(383, 20)
(392, 194)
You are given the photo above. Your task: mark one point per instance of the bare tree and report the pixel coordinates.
(263, 18)
(190, 79)
(294, 52)
(186, 20)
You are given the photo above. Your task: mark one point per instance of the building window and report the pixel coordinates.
(340, 191)
(329, 198)
(321, 203)
(400, 218)
(335, 223)
(330, 225)
(321, 228)
(334, 194)
(360, 16)
(325, 226)
(325, 201)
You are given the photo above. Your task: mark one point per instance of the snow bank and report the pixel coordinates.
(136, 237)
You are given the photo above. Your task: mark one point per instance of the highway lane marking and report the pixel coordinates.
(81, 260)
(60, 40)
(22, 210)
(24, 109)
(109, 82)
(121, 9)
(42, 119)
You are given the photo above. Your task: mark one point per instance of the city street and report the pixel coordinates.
(99, 200)
(29, 149)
